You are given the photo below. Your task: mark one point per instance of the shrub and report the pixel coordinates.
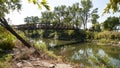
(4, 60)
(109, 35)
(89, 35)
(6, 39)
(42, 46)
(6, 45)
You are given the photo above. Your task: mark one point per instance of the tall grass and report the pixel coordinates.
(42, 46)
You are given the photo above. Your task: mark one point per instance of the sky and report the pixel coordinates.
(17, 18)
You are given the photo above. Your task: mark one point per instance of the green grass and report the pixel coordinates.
(43, 47)
(5, 60)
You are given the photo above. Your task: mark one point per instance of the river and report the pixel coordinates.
(85, 54)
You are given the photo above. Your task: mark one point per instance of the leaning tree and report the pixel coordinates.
(7, 5)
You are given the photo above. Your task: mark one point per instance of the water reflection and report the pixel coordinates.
(91, 55)
(87, 54)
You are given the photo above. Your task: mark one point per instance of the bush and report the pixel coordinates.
(4, 60)
(109, 35)
(79, 35)
(89, 35)
(6, 39)
(6, 45)
(42, 46)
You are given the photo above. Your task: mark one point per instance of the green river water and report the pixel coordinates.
(86, 54)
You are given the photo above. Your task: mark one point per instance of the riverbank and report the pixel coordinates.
(23, 57)
(29, 58)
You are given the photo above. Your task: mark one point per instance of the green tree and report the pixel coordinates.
(7, 5)
(32, 19)
(75, 15)
(60, 13)
(111, 23)
(71, 15)
(47, 17)
(63, 15)
(95, 23)
(94, 16)
(86, 6)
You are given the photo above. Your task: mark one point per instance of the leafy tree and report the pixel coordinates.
(95, 23)
(75, 14)
(94, 16)
(60, 13)
(111, 23)
(32, 19)
(86, 6)
(7, 5)
(72, 15)
(47, 17)
(114, 5)
(96, 27)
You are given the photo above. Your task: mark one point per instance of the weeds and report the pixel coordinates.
(42, 46)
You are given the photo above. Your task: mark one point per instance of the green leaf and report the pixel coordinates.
(39, 6)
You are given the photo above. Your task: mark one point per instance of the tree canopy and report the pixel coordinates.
(111, 23)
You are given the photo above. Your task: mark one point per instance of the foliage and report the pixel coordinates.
(47, 33)
(95, 27)
(108, 36)
(47, 17)
(75, 15)
(94, 16)
(7, 44)
(4, 60)
(111, 23)
(42, 46)
(62, 15)
(7, 5)
(5, 57)
(7, 40)
(89, 35)
(31, 20)
(79, 35)
(40, 4)
(114, 5)
(86, 6)
(111, 37)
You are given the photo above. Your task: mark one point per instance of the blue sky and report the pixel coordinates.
(32, 10)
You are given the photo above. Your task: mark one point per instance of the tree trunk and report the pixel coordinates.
(8, 27)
